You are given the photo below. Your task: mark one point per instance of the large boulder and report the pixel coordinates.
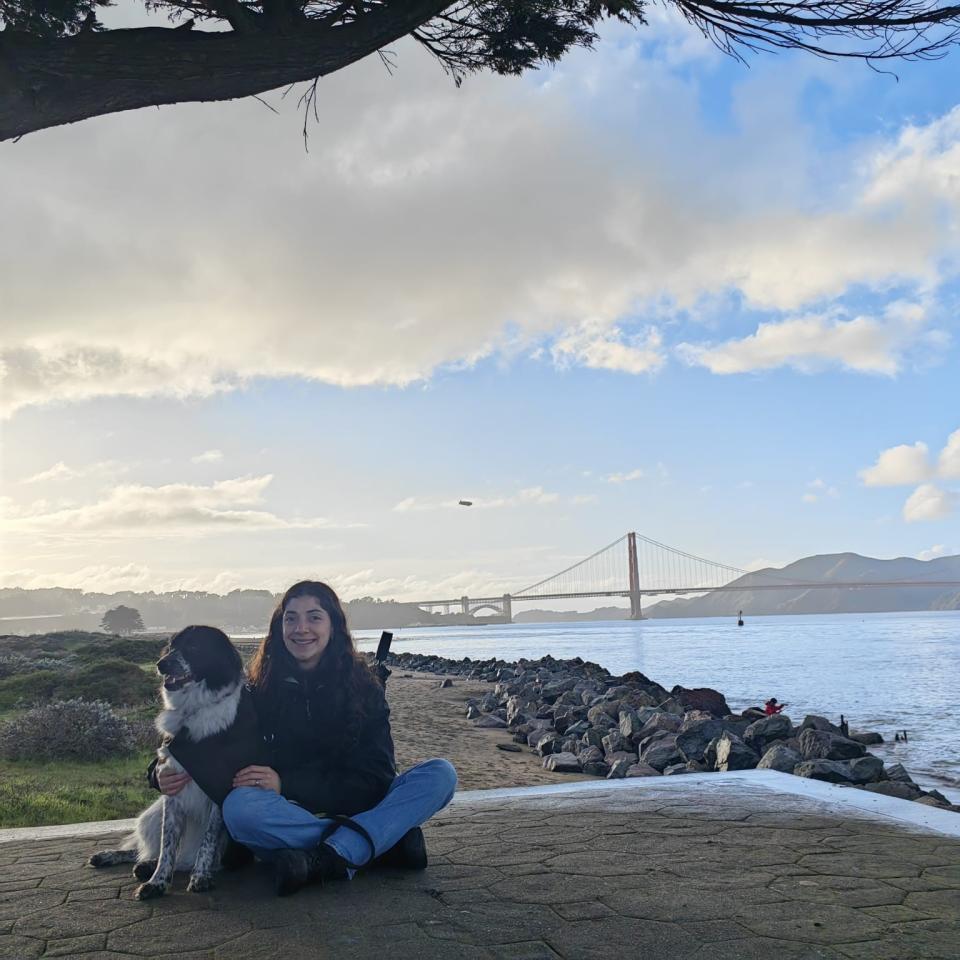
(894, 788)
(660, 721)
(822, 745)
(779, 757)
(599, 717)
(630, 725)
(613, 742)
(832, 771)
(619, 769)
(562, 763)
(490, 721)
(867, 738)
(760, 733)
(813, 722)
(662, 753)
(897, 771)
(589, 755)
(868, 769)
(642, 770)
(701, 698)
(596, 768)
(547, 743)
(696, 732)
(734, 754)
(517, 708)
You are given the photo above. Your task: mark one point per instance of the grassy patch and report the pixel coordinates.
(39, 794)
(116, 681)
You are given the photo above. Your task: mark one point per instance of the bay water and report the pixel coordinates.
(885, 672)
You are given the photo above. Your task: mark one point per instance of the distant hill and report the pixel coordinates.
(240, 611)
(248, 611)
(825, 568)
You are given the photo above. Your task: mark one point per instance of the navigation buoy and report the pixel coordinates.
(740, 619)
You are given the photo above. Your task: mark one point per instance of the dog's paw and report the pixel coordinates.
(144, 869)
(200, 883)
(99, 860)
(149, 891)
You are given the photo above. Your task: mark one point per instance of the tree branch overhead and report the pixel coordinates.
(59, 65)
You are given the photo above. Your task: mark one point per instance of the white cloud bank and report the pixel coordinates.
(864, 344)
(929, 502)
(171, 509)
(908, 464)
(432, 226)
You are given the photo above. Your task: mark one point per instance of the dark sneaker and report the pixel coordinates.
(298, 868)
(409, 853)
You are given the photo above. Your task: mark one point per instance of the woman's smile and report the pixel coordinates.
(306, 631)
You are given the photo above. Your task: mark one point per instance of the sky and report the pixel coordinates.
(651, 289)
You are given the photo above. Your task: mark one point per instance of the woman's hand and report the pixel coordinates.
(170, 782)
(264, 777)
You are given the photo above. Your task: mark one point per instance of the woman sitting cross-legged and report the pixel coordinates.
(330, 800)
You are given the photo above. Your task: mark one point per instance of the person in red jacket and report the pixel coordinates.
(771, 707)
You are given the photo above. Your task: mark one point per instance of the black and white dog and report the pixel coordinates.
(209, 730)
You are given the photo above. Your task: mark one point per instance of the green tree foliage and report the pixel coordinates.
(59, 66)
(122, 620)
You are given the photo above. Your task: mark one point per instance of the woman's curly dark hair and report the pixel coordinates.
(352, 683)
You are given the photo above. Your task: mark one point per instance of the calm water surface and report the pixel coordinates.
(884, 672)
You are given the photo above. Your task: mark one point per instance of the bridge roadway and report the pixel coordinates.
(676, 591)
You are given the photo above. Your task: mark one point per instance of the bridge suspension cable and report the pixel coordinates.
(606, 569)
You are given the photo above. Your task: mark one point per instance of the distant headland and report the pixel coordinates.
(25, 611)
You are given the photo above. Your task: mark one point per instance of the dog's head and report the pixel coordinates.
(200, 654)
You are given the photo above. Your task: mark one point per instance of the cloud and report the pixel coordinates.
(929, 502)
(948, 463)
(817, 489)
(60, 471)
(811, 343)
(937, 550)
(637, 474)
(96, 578)
(208, 456)
(898, 466)
(372, 263)
(176, 508)
(590, 345)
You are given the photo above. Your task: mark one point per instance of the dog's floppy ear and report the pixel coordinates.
(211, 655)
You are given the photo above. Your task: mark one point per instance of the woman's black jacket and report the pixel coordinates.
(305, 737)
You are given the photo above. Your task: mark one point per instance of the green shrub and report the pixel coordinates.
(116, 681)
(66, 730)
(28, 687)
(121, 648)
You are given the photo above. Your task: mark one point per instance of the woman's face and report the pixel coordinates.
(306, 631)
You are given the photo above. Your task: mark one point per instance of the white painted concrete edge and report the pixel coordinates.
(841, 800)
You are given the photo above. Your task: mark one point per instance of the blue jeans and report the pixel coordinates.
(264, 821)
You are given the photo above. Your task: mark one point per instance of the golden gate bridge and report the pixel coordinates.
(634, 566)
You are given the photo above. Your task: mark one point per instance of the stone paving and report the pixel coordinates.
(708, 871)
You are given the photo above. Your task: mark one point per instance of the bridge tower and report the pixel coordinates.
(634, 574)
(508, 608)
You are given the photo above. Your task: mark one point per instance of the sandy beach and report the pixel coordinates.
(429, 721)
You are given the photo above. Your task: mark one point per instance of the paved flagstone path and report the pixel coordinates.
(710, 872)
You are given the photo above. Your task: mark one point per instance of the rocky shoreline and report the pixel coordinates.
(581, 719)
